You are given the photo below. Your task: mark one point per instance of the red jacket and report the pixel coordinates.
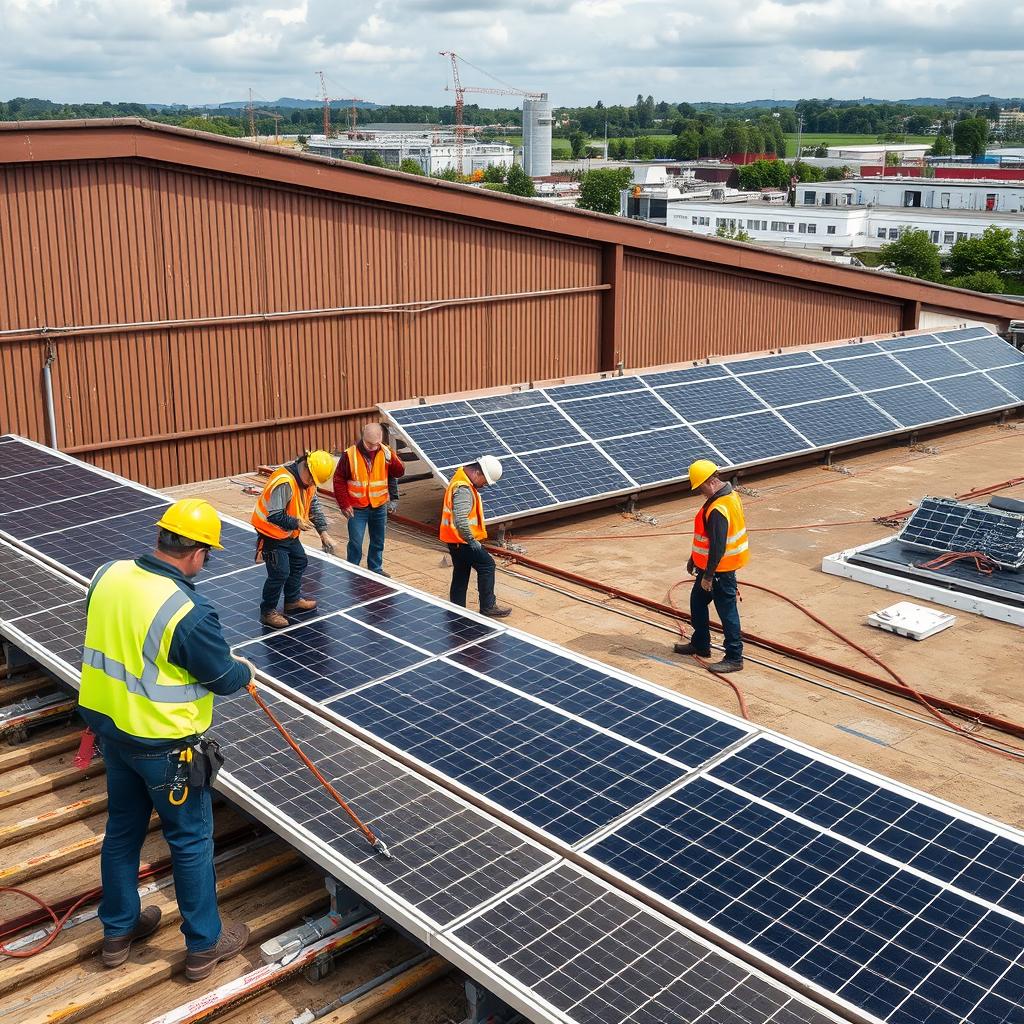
(396, 468)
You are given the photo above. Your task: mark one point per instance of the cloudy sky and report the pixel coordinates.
(195, 51)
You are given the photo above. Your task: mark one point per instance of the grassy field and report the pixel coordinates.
(813, 139)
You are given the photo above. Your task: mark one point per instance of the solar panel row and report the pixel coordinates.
(573, 442)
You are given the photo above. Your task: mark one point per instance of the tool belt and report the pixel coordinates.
(198, 765)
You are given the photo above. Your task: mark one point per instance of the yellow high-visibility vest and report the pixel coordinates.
(447, 532)
(126, 674)
(737, 552)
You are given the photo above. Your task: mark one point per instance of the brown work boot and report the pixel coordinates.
(304, 604)
(496, 611)
(688, 648)
(115, 951)
(274, 619)
(232, 941)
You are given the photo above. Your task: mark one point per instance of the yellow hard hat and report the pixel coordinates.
(195, 519)
(321, 466)
(700, 471)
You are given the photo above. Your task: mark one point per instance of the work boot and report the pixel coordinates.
(496, 611)
(115, 951)
(386, 575)
(688, 648)
(274, 619)
(304, 604)
(232, 941)
(727, 665)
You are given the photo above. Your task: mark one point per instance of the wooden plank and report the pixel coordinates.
(25, 686)
(77, 944)
(390, 993)
(38, 750)
(45, 781)
(54, 818)
(87, 988)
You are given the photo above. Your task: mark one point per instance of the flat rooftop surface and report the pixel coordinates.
(975, 663)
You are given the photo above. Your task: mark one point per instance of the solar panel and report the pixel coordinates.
(26, 586)
(944, 524)
(845, 919)
(729, 404)
(837, 420)
(42, 487)
(661, 455)
(21, 458)
(58, 630)
(597, 957)
(71, 512)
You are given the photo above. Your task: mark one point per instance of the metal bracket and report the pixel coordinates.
(487, 1008)
(344, 901)
(17, 660)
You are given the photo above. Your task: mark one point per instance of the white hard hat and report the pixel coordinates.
(490, 467)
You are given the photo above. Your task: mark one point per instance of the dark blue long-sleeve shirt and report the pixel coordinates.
(198, 646)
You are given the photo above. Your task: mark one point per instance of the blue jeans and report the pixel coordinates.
(137, 781)
(464, 561)
(286, 561)
(377, 520)
(723, 593)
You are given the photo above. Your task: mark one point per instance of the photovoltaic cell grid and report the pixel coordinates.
(740, 412)
(599, 958)
(944, 524)
(898, 946)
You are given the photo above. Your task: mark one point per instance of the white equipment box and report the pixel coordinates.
(911, 620)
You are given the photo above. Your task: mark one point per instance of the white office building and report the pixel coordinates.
(878, 151)
(925, 193)
(434, 152)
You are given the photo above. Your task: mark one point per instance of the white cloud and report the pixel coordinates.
(576, 50)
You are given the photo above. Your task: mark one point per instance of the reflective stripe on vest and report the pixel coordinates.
(127, 674)
(298, 505)
(448, 533)
(367, 486)
(736, 554)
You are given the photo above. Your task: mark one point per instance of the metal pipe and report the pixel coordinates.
(51, 415)
(409, 308)
(308, 1016)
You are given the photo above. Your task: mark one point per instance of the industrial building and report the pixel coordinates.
(537, 121)
(436, 152)
(832, 838)
(877, 152)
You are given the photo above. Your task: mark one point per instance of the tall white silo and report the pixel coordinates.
(537, 136)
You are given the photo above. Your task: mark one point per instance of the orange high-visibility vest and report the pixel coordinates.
(298, 505)
(448, 533)
(736, 548)
(367, 486)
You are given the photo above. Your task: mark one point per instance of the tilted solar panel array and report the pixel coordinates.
(886, 903)
(944, 524)
(576, 442)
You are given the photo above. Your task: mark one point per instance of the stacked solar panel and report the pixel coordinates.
(575, 442)
(944, 524)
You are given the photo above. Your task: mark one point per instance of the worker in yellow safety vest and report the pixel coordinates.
(154, 657)
(287, 506)
(719, 549)
(463, 529)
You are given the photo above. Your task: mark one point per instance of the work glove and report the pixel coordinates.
(690, 568)
(248, 664)
(392, 507)
(387, 452)
(326, 544)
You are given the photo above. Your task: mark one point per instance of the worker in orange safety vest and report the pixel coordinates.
(719, 548)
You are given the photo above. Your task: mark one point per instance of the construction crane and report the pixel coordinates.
(327, 106)
(253, 110)
(460, 91)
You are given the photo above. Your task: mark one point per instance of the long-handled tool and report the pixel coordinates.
(372, 836)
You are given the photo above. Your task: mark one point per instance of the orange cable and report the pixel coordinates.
(371, 837)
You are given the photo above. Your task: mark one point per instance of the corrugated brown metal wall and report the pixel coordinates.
(119, 241)
(675, 312)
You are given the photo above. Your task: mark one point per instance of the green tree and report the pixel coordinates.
(755, 140)
(993, 111)
(410, 166)
(942, 146)
(836, 173)
(448, 174)
(518, 182)
(495, 174)
(643, 148)
(893, 159)
(1018, 247)
(714, 142)
(765, 174)
(807, 172)
(994, 252)
(980, 281)
(600, 190)
(578, 144)
(687, 146)
(736, 234)
(970, 136)
(913, 254)
(372, 159)
(734, 137)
